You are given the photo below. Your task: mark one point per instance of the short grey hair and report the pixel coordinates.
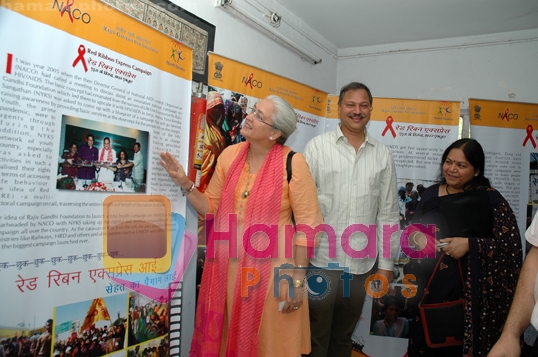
(284, 118)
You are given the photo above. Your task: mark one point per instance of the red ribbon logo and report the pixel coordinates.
(389, 122)
(67, 8)
(249, 80)
(80, 58)
(529, 136)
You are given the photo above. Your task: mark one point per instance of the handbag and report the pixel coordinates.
(443, 323)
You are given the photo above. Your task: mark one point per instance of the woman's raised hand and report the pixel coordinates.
(175, 170)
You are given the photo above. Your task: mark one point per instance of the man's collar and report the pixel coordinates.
(340, 135)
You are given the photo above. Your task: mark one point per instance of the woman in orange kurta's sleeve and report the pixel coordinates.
(250, 233)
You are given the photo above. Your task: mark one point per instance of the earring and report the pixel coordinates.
(270, 138)
(475, 175)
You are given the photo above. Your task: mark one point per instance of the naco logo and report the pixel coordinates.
(73, 12)
(507, 115)
(251, 81)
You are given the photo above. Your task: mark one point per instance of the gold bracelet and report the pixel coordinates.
(298, 283)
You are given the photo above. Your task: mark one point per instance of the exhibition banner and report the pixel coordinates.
(507, 132)
(89, 98)
(254, 84)
(416, 131)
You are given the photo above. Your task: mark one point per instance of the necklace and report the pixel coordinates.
(246, 193)
(448, 193)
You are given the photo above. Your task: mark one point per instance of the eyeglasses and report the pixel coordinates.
(260, 119)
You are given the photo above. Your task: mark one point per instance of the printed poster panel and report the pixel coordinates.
(507, 132)
(86, 107)
(255, 84)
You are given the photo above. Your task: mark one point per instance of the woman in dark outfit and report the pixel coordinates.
(483, 236)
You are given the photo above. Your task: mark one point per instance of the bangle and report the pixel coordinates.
(298, 283)
(186, 192)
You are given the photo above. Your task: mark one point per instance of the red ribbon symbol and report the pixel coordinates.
(529, 136)
(67, 8)
(81, 53)
(389, 122)
(506, 112)
(249, 80)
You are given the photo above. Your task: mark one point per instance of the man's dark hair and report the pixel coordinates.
(354, 86)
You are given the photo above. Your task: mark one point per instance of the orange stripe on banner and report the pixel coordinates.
(508, 115)
(257, 83)
(94, 22)
(433, 112)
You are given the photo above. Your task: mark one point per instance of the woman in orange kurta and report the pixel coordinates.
(237, 316)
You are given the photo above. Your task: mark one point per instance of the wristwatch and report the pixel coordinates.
(298, 283)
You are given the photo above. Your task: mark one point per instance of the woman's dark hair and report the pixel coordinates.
(475, 155)
(392, 300)
(122, 151)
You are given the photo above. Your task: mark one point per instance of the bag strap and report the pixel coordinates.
(435, 271)
(288, 173)
(288, 164)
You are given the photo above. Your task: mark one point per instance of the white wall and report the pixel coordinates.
(238, 41)
(492, 69)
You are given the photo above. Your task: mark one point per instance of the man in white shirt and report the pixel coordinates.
(356, 182)
(138, 169)
(107, 155)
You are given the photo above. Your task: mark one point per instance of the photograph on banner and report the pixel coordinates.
(364, 338)
(93, 159)
(95, 326)
(389, 314)
(159, 347)
(225, 113)
(508, 135)
(110, 77)
(148, 319)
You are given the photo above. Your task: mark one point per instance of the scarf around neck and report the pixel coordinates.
(263, 207)
(108, 157)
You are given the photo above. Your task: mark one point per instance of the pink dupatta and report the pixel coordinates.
(263, 207)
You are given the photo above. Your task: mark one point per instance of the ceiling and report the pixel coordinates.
(358, 23)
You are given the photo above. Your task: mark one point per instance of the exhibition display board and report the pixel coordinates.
(235, 79)
(506, 131)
